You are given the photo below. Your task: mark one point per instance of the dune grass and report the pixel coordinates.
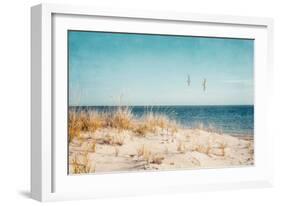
(150, 122)
(74, 125)
(148, 156)
(82, 165)
(121, 118)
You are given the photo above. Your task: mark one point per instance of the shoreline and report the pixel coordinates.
(243, 137)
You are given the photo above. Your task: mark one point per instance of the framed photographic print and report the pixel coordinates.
(134, 102)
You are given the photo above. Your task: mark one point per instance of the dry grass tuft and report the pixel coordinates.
(122, 118)
(74, 126)
(157, 159)
(93, 146)
(223, 146)
(118, 140)
(83, 121)
(251, 148)
(208, 149)
(143, 129)
(84, 166)
(157, 120)
(142, 150)
(114, 140)
(148, 156)
(151, 122)
(96, 120)
(203, 149)
(145, 153)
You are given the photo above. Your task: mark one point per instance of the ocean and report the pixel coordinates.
(236, 120)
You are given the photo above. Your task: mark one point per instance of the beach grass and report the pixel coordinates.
(82, 165)
(121, 118)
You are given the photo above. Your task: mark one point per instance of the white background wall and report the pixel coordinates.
(15, 101)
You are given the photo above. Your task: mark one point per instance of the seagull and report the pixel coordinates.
(204, 84)
(188, 80)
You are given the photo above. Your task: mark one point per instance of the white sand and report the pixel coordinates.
(162, 150)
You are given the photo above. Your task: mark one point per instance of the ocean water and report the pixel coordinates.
(236, 120)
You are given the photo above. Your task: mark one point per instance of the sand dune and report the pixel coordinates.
(110, 149)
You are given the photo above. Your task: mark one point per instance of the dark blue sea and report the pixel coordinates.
(236, 120)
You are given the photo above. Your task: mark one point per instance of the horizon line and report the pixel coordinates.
(161, 105)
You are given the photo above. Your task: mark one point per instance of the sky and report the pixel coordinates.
(139, 69)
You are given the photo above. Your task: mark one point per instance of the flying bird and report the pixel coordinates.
(188, 80)
(204, 84)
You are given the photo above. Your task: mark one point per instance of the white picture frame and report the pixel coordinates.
(49, 179)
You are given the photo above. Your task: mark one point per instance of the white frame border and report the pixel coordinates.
(42, 88)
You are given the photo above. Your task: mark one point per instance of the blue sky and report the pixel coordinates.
(153, 69)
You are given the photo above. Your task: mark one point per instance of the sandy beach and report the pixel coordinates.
(102, 143)
(140, 102)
